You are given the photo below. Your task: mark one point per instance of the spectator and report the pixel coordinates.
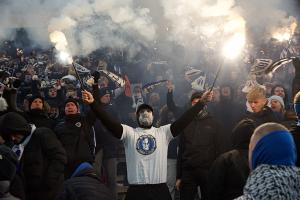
(42, 158)
(277, 105)
(230, 170)
(279, 90)
(145, 148)
(261, 113)
(199, 145)
(37, 113)
(77, 136)
(272, 159)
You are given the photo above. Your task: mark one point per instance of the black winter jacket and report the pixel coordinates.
(228, 175)
(43, 164)
(76, 134)
(199, 144)
(39, 118)
(264, 116)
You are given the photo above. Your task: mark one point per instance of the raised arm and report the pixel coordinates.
(107, 120)
(170, 102)
(179, 125)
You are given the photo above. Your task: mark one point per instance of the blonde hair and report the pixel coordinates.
(297, 97)
(256, 93)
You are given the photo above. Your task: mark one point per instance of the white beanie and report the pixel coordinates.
(277, 98)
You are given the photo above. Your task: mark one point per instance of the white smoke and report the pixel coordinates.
(88, 25)
(104, 23)
(197, 25)
(34, 15)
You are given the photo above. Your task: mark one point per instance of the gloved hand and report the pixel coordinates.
(96, 76)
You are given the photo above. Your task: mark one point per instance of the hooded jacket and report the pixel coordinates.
(230, 170)
(43, 158)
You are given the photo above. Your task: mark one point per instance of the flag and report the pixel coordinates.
(192, 72)
(199, 83)
(150, 86)
(277, 64)
(115, 78)
(81, 69)
(260, 66)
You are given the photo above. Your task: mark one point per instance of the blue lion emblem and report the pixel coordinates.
(146, 144)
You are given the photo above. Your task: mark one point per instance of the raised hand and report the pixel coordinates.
(207, 96)
(170, 86)
(87, 97)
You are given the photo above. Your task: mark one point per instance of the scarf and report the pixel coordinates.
(19, 148)
(271, 182)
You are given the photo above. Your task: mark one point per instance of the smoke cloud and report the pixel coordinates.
(200, 26)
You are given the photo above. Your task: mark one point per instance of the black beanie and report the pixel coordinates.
(13, 122)
(104, 91)
(143, 106)
(8, 163)
(32, 98)
(70, 99)
(241, 133)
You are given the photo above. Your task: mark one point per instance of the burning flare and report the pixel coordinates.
(285, 34)
(234, 45)
(61, 45)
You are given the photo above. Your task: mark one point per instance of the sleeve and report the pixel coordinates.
(166, 129)
(127, 130)
(170, 103)
(107, 120)
(55, 154)
(35, 89)
(179, 125)
(96, 93)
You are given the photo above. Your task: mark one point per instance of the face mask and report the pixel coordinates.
(145, 118)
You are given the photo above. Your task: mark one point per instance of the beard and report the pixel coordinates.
(145, 121)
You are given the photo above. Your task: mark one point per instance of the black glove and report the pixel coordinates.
(96, 76)
(17, 83)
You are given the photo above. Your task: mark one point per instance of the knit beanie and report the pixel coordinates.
(75, 101)
(13, 122)
(32, 98)
(277, 98)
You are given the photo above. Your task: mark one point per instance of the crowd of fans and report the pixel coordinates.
(54, 146)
